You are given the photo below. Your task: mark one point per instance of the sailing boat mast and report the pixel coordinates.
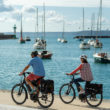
(44, 19)
(100, 15)
(92, 23)
(83, 22)
(99, 21)
(63, 29)
(36, 27)
(42, 27)
(21, 29)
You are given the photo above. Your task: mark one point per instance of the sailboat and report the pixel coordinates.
(63, 40)
(59, 39)
(101, 57)
(44, 54)
(92, 41)
(38, 42)
(84, 44)
(97, 43)
(21, 40)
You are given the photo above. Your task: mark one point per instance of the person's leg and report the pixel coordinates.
(29, 82)
(76, 81)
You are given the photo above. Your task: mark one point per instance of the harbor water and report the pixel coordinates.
(15, 56)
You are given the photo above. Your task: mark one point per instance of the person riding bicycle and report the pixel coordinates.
(38, 70)
(85, 73)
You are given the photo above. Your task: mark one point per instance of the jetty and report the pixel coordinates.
(4, 36)
(79, 37)
(7, 36)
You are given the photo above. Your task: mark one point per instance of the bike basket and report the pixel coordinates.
(47, 86)
(94, 88)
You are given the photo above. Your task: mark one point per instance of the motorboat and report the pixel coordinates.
(102, 57)
(45, 54)
(63, 41)
(27, 38)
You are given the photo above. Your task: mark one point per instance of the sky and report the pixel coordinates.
(57, 11)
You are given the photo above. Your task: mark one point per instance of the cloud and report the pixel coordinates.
(62, 3)
(2, 19)
(5, 8)
(28, 9)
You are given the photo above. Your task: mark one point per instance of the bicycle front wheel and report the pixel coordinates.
(67, 93)
(19, 94)
(94, 100)
(45, 100)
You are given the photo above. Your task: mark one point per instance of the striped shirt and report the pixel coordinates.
(85, 71)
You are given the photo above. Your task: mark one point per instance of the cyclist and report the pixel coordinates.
(85, 73)
(38, 70)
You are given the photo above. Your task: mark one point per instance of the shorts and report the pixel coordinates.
(32, 77)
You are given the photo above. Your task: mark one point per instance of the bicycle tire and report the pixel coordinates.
(100, 101)
(41, 97)
(71, 95)
(23, 89)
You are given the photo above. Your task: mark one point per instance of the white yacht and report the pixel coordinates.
(39, 45)
(91, 42)
(63, 41)
(102, 57)
(59, 39)
(84, 45)
(98, 44)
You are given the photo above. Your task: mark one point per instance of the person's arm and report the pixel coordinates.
(77, 69)
(24, 69)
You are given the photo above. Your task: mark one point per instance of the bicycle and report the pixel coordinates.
(92, 95)
(19, 93)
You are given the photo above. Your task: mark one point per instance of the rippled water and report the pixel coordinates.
(14, 56)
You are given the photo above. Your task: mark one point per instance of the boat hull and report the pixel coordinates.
(45, 55)
(21, 41)
(101, 60)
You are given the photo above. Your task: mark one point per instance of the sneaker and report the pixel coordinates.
(33, 91)
(81, 92)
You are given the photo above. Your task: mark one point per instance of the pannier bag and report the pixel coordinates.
(47, 86)
(94, 88)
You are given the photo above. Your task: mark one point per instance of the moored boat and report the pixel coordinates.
(45, 54)
(27, 38)
(59, 39)
(102, 57)
(63, 41)
(21, 40)
(98, 44)
(84, 45)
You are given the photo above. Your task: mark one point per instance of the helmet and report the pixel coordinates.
(84, 57)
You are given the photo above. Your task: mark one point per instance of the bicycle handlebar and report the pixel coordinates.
(26, 73)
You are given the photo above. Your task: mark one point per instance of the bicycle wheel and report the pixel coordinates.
(67, 93)
(19, 94)
(94, 100)
(45, 100)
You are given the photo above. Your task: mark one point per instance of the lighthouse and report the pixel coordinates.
(15, 29)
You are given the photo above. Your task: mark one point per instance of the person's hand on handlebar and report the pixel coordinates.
(68, 74)
(21, 73)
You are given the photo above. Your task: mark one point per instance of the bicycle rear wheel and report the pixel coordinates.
(94, 100)
(19, 94)
(67, 93)
(45, 100)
